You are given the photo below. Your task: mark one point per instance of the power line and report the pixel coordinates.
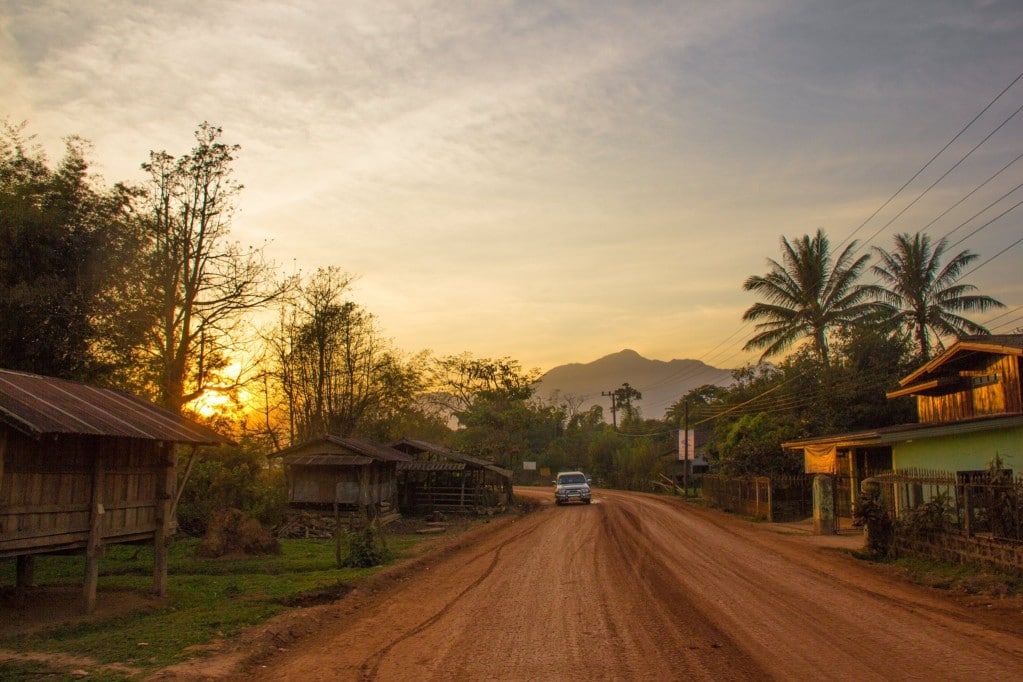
(1010, 246)
(996, 218)
(1001, 315)
(944, 175)
(974, 191)
(932, 159)
(707, 356)
(1008, 323)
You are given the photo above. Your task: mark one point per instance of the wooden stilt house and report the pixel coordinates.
(441, 479)
(83, 467)
(352, 475)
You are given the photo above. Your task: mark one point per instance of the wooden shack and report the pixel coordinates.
(83, 467)
(441, 479)
(351, 474)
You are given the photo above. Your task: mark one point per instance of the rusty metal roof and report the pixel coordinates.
(38, 406)
(413, 446)
(431, 466)
(336, 445)
(328, 460)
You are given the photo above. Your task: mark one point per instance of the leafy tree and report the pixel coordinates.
(806, 295)
(799, 398)
(871, 360)
(928, 298)
(64, 241)
(235, 477)
(752, 445)
(461, 380)
(623, 397)
(490, 398)
(701, 403)
(197, 287)
(336, 373)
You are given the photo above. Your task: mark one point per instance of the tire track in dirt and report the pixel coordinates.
(637, 587)
(371, 666)
(796, 609)
(691, 644)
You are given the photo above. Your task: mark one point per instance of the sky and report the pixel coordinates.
(554, 181)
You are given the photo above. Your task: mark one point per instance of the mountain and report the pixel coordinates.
(661, 383)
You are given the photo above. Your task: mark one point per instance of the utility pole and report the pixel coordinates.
(614, 408)
(685, 448)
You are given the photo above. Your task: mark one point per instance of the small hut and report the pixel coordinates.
(352, 475)
(441, 479)
(84, 467)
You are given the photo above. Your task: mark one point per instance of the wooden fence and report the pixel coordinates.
(772, 498)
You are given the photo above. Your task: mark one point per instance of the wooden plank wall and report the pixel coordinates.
(1001, 397)
(47, 487)
(316, 484)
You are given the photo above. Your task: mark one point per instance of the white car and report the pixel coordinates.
(572, 485)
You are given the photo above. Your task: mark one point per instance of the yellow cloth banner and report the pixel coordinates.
(820, 459)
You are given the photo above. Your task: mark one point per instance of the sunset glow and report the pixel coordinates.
(549, 181)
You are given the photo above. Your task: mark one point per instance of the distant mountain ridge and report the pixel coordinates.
(661, 383)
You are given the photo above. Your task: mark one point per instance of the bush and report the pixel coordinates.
(226, 480)
(934, 516)
(872, 513)
(364, 549)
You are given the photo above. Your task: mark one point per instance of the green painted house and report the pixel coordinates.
(970, 410)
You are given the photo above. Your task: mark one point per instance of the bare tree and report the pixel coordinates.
(199, 287)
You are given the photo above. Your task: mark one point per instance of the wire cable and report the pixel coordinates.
(932, 159)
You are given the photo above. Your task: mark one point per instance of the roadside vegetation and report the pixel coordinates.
(965, 579)
(207, 600)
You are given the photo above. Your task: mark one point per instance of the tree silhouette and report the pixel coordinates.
(926, 297)
(806, 295)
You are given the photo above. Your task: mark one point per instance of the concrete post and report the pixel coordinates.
(823, 504)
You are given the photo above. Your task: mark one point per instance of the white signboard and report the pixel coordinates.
(684, 436)
(529, 466)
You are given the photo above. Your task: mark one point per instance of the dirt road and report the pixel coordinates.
(637, 587)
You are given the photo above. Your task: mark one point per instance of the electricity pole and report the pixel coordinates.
(614, 409)
(685, 448)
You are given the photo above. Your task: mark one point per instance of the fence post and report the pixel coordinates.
(823, 505)
(968, 509)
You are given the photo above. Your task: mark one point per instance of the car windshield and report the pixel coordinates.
(572, 479)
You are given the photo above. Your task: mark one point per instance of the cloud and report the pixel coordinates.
(522, 177)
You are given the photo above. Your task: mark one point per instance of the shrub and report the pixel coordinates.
(872, 513)
(364, 549)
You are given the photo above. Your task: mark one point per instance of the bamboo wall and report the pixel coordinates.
(47, 488)
(347, 485)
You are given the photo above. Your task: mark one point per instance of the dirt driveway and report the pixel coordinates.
(638, 587)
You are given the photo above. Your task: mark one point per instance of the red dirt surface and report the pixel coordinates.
(635, 587)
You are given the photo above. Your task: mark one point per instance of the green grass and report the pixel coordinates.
(206, 599)
(962, 578)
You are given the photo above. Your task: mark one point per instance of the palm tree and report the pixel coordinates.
(805, 296)
(927, 298)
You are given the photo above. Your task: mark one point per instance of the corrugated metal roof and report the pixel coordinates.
(902, 432)
(336, 445)
(431, 466)
(38, 406)
(419, 446)
(327, 460)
